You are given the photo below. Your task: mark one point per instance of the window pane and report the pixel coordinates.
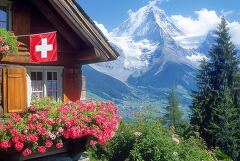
(52, 85)
(49, 75)
(52, 89)
(44, 86)
(36, 95)
(3, 17)
(33, 76)
(36, 79)
(54, 75)
(39, 75)
(36, 85)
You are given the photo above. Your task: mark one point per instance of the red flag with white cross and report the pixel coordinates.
(43, 47)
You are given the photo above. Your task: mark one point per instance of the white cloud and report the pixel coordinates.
(190, 41)
(196, 58)
(235, 31)
(103, 29)
(206, 20)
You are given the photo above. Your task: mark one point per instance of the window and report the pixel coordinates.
(5, 14)
(52, 85)
(3, 17)
(36, 84)
(44, 82)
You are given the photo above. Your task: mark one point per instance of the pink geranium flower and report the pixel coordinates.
(18, 146)
(48, 144)
(26, 152)
(40, 126)
(4, 144)
(41, 149)
(59, 145)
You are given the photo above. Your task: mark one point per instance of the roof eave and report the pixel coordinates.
(82, 24)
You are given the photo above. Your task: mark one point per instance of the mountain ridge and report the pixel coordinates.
(151, 62)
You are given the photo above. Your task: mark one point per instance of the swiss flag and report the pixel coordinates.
(43, 47)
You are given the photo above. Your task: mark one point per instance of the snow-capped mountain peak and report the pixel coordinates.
(145, 40)
(145, 19)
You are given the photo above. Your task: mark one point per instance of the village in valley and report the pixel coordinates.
(159, 87)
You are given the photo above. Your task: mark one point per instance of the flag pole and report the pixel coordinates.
(33, 34)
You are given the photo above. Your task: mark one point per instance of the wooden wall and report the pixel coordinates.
(29, 17)
(21, 21)
(74, 84)
(71, 84)
(13, 87)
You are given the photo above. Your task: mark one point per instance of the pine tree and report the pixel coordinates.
(215, 102)
(201, 98)
(225, 126)
(224, 61)
(173, 115)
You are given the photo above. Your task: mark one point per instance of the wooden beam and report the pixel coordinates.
(87, 54)
(15, 59)
(82, 26)
(77, 21)
(53, 18)
(59, 7)
(90, 54)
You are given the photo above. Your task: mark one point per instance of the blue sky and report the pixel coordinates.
(112, 13)
(195, 18)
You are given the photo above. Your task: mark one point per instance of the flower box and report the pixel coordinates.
(47, 129)
(8, 43)
(70, 146)
(12, 155)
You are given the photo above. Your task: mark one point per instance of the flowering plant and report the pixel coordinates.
(8, 42)
(40, 128)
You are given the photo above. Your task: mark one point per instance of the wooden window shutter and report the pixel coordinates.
(16, 89)
(71, 84)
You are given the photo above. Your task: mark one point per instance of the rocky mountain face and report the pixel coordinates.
(206, 45)
(151, 61)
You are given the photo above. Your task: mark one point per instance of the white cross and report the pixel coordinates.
(44, 48)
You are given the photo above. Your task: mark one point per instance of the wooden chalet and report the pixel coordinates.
(79, 42)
